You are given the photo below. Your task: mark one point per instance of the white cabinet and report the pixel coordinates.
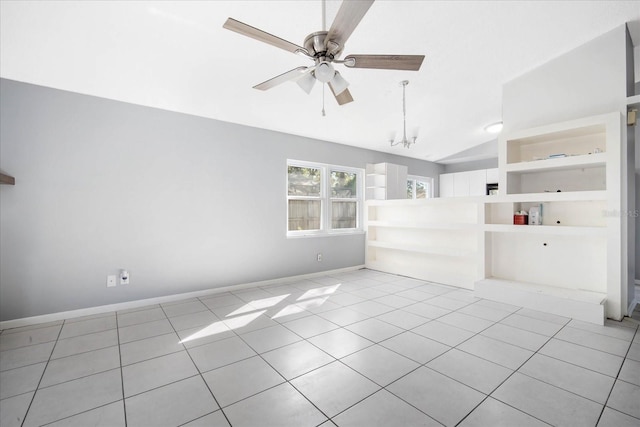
(446, 185)
(463, 184)
(478, 182)
(386, 181)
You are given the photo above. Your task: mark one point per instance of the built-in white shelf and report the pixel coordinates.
(424, 225)
(633, 101)
(558, 164)
(568, 196)
(384, 181)
(557, 230)
(572, 265)
(434, 250)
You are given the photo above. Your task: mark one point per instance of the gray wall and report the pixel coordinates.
(184, 203)
(471, 166)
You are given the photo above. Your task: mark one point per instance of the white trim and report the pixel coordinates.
(27, 321)
(636, 299)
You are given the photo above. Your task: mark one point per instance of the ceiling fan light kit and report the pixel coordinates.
(325, 48)
(306, 82)
(324, 72)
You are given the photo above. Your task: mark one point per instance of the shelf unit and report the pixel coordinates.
(571, 265)
(577, 249)
(588, 144)
(425, 239)
(385, 181)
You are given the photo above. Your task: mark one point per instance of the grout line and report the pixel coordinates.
(198, 369)
(28, 328)
(88, 333)
(124, 402)
(617, 378)
(83, 412)
(506, 379)
(42, 376)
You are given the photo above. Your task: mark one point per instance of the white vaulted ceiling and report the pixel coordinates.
(176, 56)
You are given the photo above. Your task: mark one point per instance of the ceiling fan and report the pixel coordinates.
(324, 48)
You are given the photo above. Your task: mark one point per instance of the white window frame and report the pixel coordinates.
(426, 179)
(326, 199)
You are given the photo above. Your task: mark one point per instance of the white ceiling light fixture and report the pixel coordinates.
(404, 141)
(494, 127)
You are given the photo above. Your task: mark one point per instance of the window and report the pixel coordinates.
(323, 199)
(419, 187)
(304, 193)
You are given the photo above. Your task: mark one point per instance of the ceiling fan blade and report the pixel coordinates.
(347, 19)
(263, 36)
(343, 97)
(385, 62)
(284, 77)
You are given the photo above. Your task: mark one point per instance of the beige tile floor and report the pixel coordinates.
(356, 349)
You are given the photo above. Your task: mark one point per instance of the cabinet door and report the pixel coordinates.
(461, 184)
(478, 183)
(396, 184)
(446, 185)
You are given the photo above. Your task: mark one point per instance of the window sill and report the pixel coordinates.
(324, 234)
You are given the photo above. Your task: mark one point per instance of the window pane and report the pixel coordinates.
(421, 190)
(343, 185)
(303, 181)
(304, 215)
(410, 189)
(343, 214)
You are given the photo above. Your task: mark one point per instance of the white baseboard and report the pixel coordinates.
(45, 318)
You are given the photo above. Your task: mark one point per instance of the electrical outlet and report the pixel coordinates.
(319, 257)
(111, 281)
(124, 277)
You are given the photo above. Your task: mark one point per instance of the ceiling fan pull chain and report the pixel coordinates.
(404, 114)
(323, 113)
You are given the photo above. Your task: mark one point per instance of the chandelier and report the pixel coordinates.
(404, 141)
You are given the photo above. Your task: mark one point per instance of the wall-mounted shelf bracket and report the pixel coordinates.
(7, 179)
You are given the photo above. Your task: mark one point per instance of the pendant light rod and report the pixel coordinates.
(405, 142)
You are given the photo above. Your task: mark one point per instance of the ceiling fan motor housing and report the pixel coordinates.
(314, 43)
